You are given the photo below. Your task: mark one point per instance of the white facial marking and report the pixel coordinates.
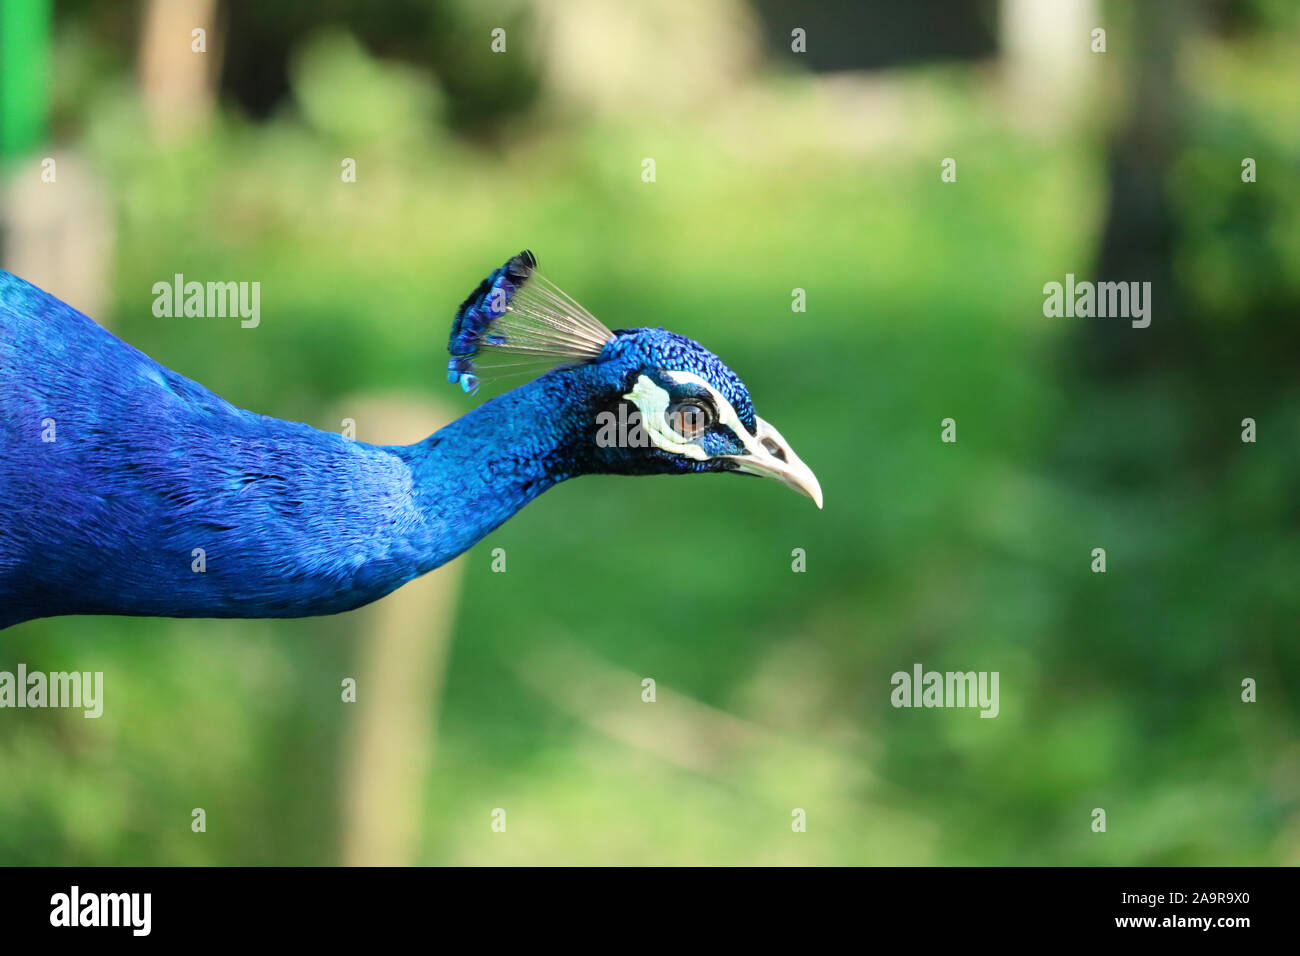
(653, 402)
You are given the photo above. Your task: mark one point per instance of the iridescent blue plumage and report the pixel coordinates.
(484, 306)
(129, 489)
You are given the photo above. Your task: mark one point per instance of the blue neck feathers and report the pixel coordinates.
(269, 518)
(475, 473)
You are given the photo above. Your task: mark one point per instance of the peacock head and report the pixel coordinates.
(647, 401)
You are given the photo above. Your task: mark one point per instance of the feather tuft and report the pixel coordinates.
(518, 311)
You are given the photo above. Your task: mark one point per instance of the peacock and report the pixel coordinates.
(116, 472)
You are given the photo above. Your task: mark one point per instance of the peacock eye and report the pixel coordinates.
(690, 418)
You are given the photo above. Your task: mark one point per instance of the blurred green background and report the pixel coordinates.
(775, 170)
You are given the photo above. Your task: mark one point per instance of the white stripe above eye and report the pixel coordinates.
(653, 402)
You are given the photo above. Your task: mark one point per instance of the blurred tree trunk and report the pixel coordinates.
(1138, 240)
(177, 83)
(402, 646)
(59, 234)
(1046, 61)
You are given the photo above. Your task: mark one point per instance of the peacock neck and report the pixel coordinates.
(478, 471)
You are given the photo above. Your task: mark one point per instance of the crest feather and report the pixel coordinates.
(518, 311)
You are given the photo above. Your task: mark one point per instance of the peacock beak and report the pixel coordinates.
(772, 457)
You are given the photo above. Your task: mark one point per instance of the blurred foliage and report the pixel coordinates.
(1119, 690)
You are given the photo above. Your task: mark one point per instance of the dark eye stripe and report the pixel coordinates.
(682, 394)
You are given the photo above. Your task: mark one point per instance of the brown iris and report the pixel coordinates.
(689, 418)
